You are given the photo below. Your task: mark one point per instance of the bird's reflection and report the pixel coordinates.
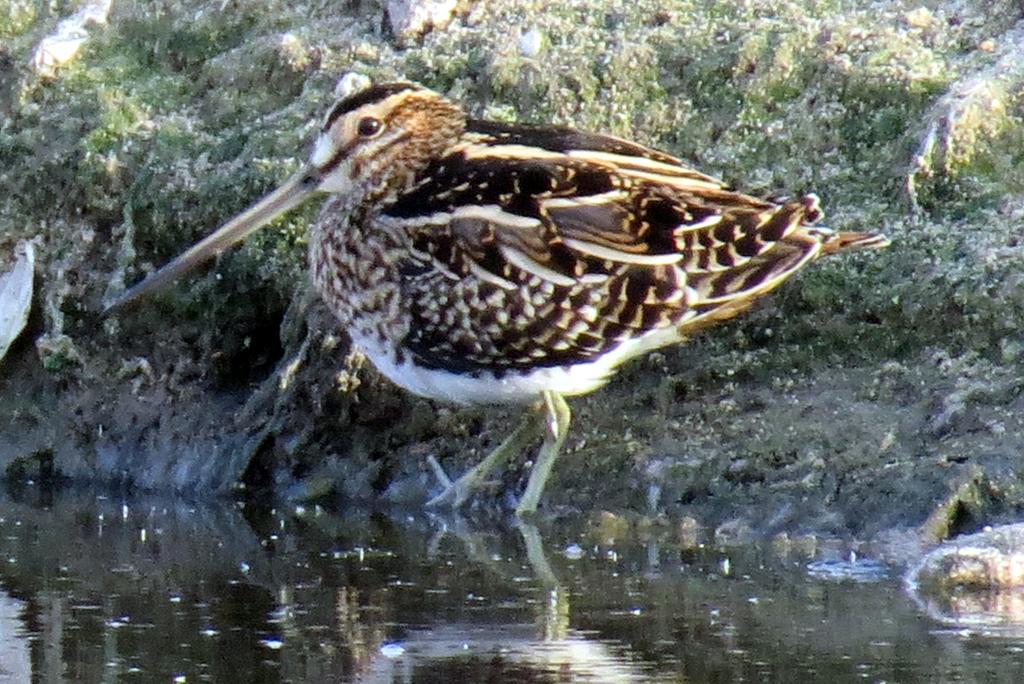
(549, 645)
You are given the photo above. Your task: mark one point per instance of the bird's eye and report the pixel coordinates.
(369, 127)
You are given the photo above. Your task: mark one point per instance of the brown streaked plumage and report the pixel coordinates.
(475, 261)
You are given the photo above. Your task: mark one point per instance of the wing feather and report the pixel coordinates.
(566, 245)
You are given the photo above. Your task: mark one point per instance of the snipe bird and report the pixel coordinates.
(482, 262)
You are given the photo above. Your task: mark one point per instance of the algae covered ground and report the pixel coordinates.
(877, 392)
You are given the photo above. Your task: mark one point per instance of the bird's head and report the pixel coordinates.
(377, 139)
(372, 143)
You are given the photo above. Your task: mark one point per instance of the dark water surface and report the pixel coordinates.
(99, 589)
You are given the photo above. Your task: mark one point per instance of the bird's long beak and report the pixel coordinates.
(294, 191)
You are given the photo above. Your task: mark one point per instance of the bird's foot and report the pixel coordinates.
(455, 494)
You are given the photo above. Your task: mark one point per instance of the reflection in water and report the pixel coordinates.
(974, 582)
(99, 589)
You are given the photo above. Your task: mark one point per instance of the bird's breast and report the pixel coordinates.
(356, 274)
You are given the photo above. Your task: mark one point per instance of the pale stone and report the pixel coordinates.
(63, 44)
(16, 295)
(412, 18)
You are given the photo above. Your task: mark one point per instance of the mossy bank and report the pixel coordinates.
(861, 398)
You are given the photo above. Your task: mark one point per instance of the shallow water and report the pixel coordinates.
(96, 588)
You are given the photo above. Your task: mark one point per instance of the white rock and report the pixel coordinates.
(530, 42)
(16, 295)
(392, 651)
(64, 43)
(349, 84)
(412, 18)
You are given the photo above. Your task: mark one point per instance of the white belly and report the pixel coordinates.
(512, 388)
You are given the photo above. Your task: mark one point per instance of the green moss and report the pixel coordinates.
(58, 353)
(962, 511)
(161, 39)
(17, 17)
(118, 118)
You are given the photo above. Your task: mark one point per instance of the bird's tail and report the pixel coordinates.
(838, 242)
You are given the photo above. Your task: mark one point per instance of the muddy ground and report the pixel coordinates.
(875, 393)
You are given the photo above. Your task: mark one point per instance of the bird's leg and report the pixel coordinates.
(535, 555)
(557, 417)
(456, 493)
